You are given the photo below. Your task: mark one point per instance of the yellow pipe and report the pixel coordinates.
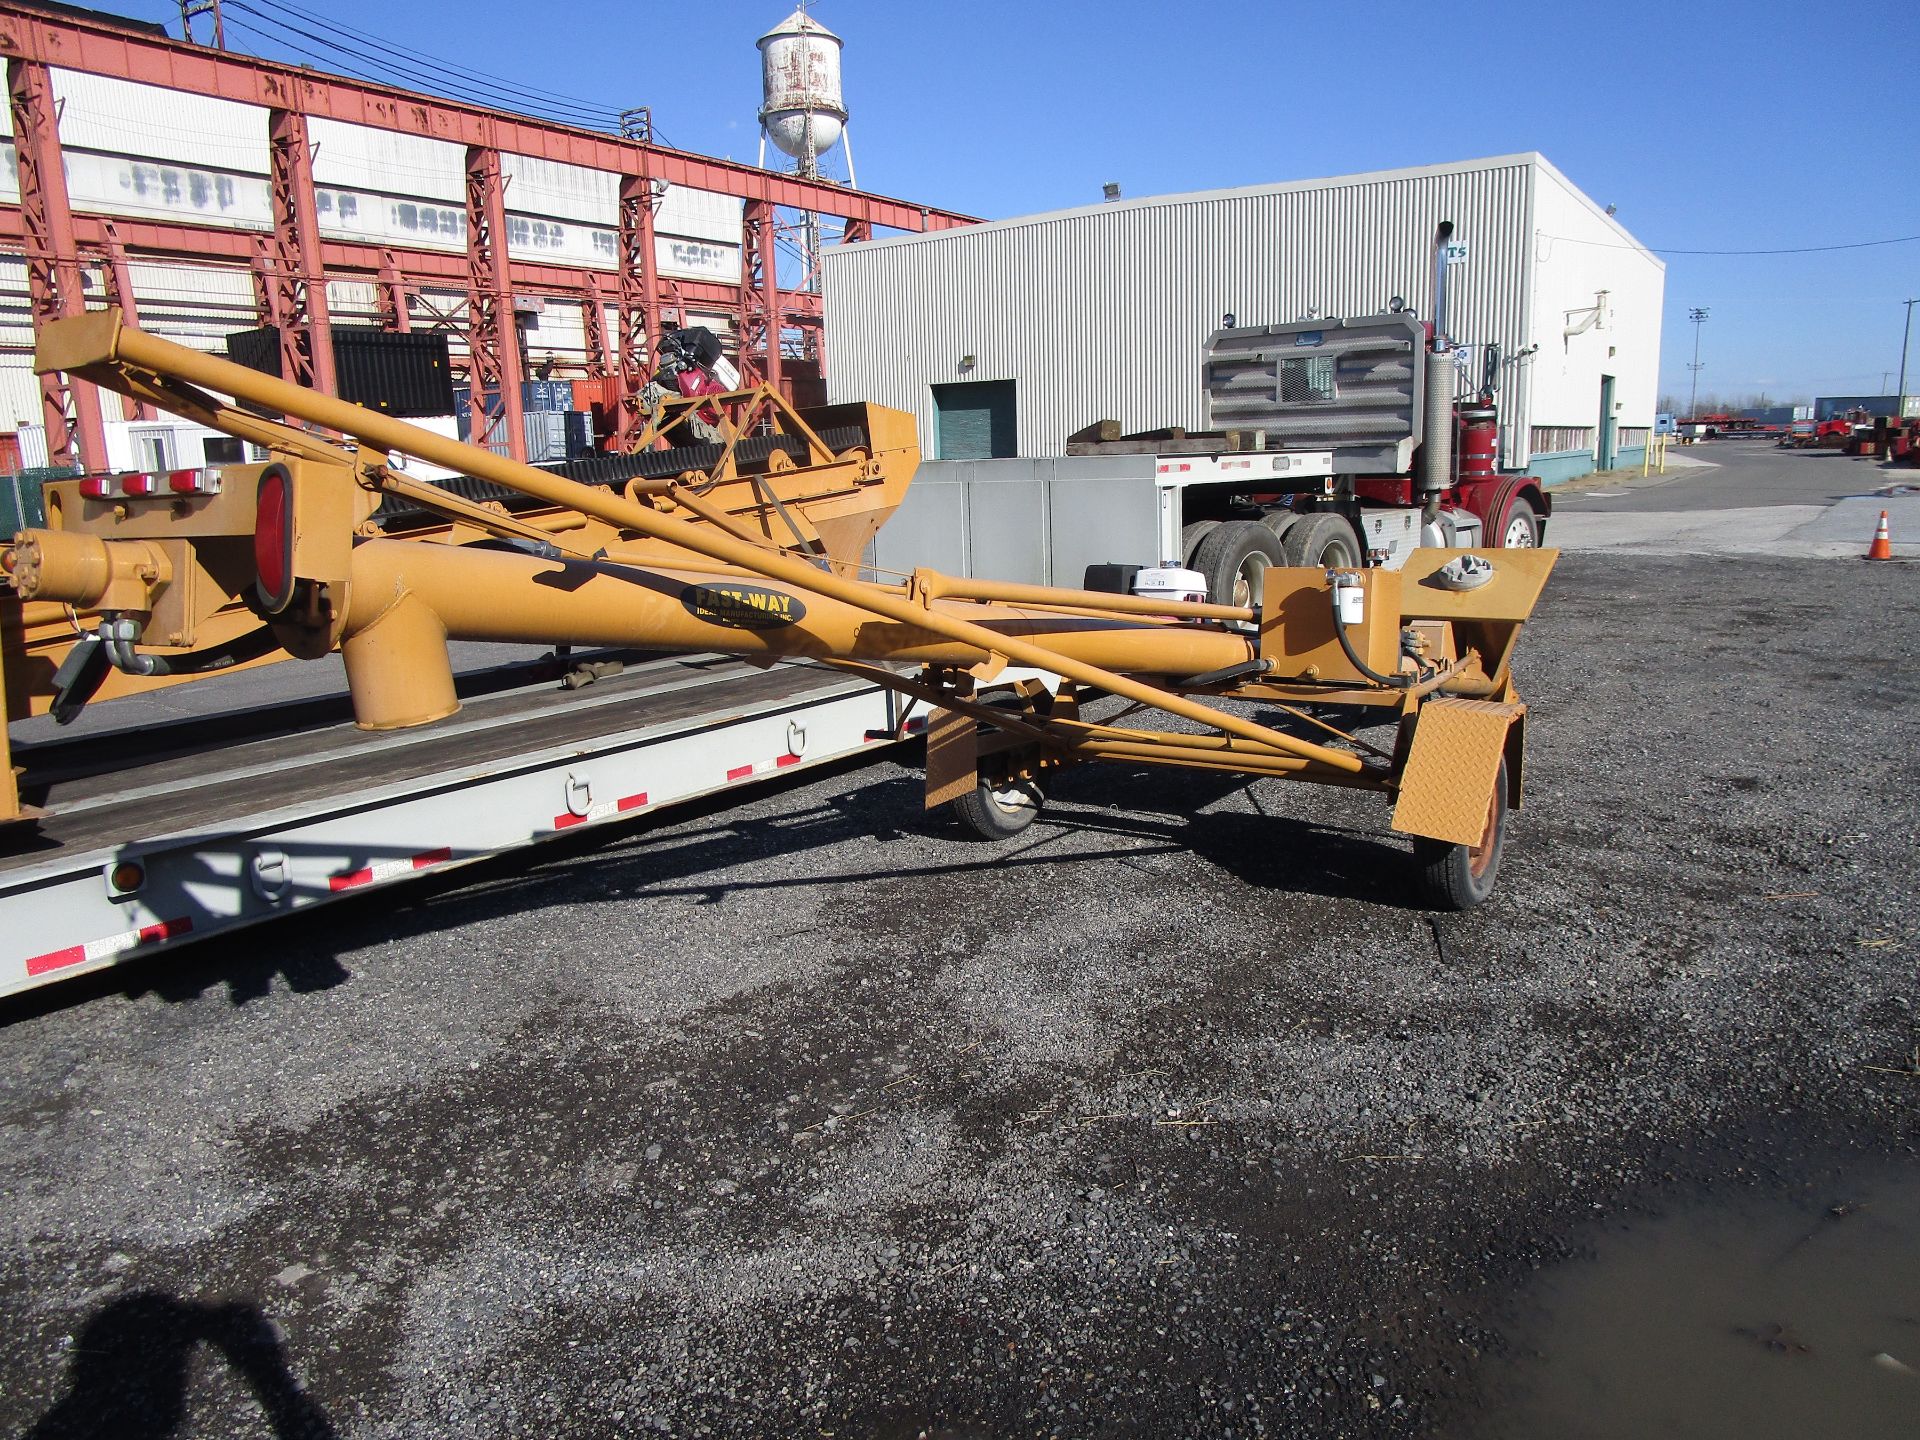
(569, 602)
(99, 339)
(957, 588)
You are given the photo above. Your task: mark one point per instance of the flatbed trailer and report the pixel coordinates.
(161, 834)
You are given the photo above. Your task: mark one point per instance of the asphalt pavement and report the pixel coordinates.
(807, 1117)
(1742, 497)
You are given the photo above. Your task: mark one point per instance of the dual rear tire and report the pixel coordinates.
(1235, 555)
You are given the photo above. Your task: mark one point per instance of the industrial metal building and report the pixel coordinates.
(1007, 337)
(206, 191)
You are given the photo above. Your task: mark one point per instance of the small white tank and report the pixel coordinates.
(801, 111)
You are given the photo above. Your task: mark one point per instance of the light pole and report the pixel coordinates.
(1906, 333)
(1698, 317)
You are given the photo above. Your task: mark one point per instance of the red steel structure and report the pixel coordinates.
(292, 265)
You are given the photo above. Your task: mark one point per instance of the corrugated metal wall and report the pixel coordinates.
(1103, 313)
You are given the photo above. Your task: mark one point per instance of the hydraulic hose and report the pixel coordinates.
(1391, 682)
(120, 636)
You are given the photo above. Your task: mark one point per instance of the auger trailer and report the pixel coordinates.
(751, 547)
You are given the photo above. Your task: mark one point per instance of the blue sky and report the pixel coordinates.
(1713, 125)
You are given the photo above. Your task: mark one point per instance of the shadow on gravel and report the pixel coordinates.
(127, 1379)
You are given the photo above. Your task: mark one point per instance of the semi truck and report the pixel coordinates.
(1335, 443)
(745, 549)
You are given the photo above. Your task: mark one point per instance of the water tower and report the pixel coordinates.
(801, 108)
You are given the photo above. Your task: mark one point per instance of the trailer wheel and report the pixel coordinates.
(1324, 541)
(1235, 557)
(998, 810)
(1521, 529)
(1459, 877)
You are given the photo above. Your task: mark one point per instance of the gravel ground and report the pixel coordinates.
(1170, 1117)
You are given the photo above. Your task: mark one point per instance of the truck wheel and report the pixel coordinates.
(1280, 522)
(1235, 557)
(1459, 877)
(998, 810)
(1191, 536)
(1324, 541)
(1521, 529)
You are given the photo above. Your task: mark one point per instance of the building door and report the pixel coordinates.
(977, 421)
(152, 449)
(1603, 441)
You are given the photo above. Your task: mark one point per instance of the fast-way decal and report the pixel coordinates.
(742, 607)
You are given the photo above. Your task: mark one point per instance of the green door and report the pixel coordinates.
(1603, 445)
(977, 421)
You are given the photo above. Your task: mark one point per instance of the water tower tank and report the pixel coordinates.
(802, 111)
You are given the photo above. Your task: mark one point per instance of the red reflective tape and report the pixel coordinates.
(56, 959)
(601, 811)
(739, 772)
(387, 869)
(108, 945)
(786, 760)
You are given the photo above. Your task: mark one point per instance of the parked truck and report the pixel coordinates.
(1334, 443)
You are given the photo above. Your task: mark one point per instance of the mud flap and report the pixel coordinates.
(1452, 767)
(953, 756)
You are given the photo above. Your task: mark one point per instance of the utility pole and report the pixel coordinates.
(1697, 317)
(1900, 402)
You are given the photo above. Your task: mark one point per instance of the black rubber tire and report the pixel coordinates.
(988, 812)
(1280, 522)
(1191, 536)
(1234, 556)
(1459, 877)
(1324, 541)
(1520, 510)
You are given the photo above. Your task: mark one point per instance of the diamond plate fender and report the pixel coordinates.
(1453, 764)
(953, 756)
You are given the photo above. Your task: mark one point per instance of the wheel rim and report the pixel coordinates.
(1011, 799)
(1519, 534)
(1480, 857)
(1249, 580)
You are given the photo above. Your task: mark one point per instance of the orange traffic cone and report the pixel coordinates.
(1882, 547)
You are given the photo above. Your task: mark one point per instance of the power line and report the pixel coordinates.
(464, 73)
(383, 71)
(1788, 250)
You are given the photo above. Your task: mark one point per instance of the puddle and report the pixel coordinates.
(1744, 1319)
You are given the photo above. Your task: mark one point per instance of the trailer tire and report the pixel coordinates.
(1520, 527)
(1459, 877)
(1235, 557)
(998, 811)
(1324, 541)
